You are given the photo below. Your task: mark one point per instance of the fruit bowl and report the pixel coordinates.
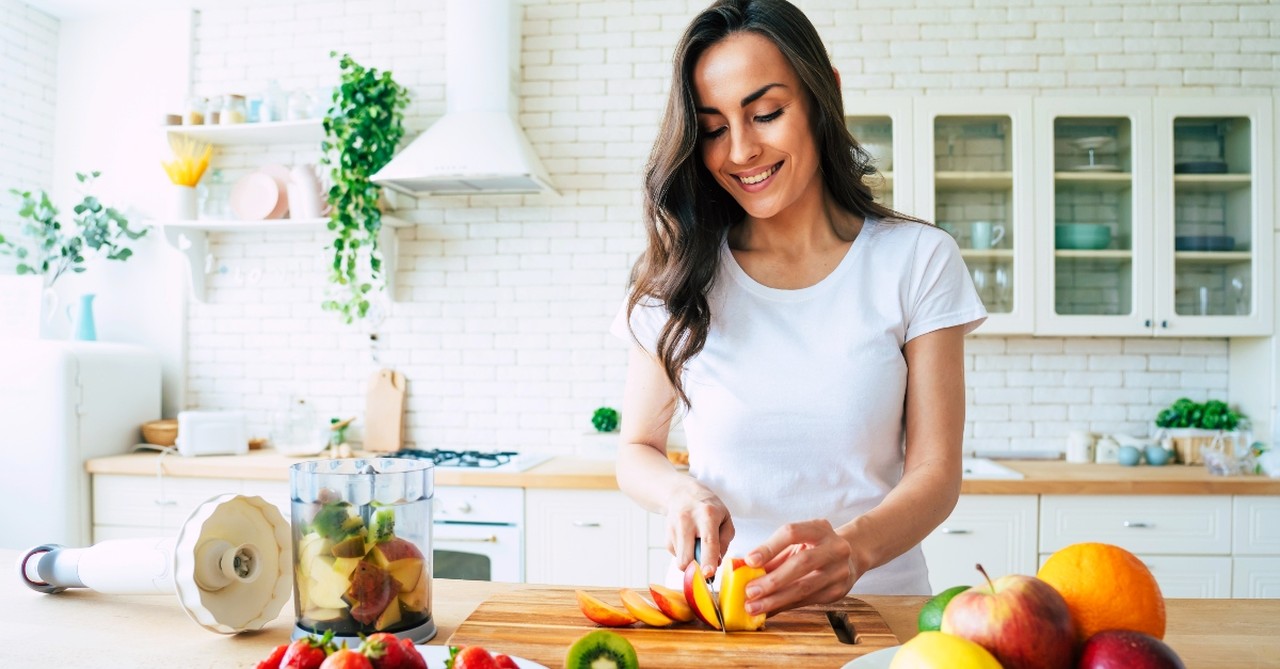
(1081, 236)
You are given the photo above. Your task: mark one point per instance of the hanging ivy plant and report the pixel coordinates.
(364, 125)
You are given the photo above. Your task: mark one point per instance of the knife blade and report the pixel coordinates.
(715, 595)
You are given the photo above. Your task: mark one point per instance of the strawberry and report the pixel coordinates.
(345, 658)
(470, 657)
(413, 659)
(273, 660)
(386, 652)
(504, 662)
(308, 652)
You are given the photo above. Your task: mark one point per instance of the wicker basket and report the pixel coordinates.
(1188, 442)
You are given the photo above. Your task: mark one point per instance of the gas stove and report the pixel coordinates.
(492, 461)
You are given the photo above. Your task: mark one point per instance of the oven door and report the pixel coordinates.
(477, 552)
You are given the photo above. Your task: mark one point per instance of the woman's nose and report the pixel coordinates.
(743, 146)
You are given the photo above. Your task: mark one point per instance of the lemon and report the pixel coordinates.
(936, 650)
(930, 619)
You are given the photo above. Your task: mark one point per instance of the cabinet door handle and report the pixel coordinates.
(585, 523)
(491, 539)
(1146, 323)
(1138, 524)
(948, 530)
(1164, 324)
(165, 502)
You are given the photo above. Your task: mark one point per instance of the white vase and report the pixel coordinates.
(22, 301)
(182, 203)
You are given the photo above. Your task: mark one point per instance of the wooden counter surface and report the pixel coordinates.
(82, 628)
(1042, 478)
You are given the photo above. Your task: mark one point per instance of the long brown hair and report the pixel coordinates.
(687, 213)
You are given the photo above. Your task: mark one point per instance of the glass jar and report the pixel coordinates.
(196, 107)
(234, 110)
(212, 196)
(296, 431)
(362, 547)
(299, 106)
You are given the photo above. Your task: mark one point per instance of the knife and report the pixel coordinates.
(715, 595)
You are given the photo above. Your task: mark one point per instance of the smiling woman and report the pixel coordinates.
(812, 336)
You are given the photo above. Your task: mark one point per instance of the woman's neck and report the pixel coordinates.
(811, 225)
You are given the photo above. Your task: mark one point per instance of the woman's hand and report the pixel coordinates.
(698, 513)
(807, 563)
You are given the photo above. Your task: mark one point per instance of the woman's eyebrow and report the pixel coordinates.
(752, 97)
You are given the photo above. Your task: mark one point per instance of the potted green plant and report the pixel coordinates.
(1193, 425)
(363, 126)
(51, 248)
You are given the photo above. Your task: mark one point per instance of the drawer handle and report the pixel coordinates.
(948, 530)
(1138, 524)
(165, 502)
(491, 539)
(585, 523)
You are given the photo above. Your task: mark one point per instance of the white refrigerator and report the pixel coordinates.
(61, 403)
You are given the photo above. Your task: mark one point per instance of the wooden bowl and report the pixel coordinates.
(160, 432)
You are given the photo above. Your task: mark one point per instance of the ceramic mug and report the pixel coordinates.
(985, 234)
(1080, 446)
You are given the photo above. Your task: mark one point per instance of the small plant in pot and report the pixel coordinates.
(364, 124)
(1193, 425)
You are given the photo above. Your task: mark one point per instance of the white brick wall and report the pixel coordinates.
(28, 69)
(504, 302)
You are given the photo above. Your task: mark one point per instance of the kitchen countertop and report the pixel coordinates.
(82, 628)
(1042, 477)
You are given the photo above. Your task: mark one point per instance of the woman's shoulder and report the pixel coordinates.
(908, 234)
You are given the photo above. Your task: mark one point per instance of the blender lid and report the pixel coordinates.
(232, 563)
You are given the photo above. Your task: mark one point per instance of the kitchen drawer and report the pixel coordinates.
(1256, 526)
(585, 537)
(1152, 524)
(1256, 577)
(145, 501)
(996, 531)
(1187, 576)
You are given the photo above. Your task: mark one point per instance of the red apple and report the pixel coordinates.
(1123, 649)
(1022, 620)
(698, 595)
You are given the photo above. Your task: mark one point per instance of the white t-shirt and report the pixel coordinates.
(797, 398)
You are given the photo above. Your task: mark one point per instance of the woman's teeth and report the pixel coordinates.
(757, 178)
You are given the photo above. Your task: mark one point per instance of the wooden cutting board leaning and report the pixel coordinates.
(541, 623)
(384, 412)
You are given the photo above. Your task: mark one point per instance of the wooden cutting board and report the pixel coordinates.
(540, 625)
(384, 412)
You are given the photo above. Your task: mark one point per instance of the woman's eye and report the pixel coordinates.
(769, 117)
(712, 134)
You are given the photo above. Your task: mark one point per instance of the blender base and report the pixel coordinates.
(420, 634)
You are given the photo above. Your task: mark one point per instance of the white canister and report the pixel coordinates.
(1080, 446)
(1106, 451)
(182, 203)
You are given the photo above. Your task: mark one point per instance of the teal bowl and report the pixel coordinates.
(1081, 236)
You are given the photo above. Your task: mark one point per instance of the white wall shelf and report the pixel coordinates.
(309, 131)
(191, 238)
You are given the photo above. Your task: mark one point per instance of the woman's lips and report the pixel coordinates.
(758, 181)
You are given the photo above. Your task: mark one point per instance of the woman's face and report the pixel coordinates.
(753, 119)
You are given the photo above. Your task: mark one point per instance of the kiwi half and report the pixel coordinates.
(601, 649)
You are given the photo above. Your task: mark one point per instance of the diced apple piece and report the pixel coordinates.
(641, 608)
(327, 585)
(733, 597)
(345, 566)
(603, 614)
(397, 549)
(698, 595)
(319, 614)
(390, 616)
(671, 603)
(406, 572)
(351, 547)
(419, 598)
(371, 590)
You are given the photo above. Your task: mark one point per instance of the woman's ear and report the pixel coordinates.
(837, 73)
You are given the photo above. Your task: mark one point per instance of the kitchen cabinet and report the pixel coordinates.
(1149, 219)
(998, 531)
(136, 507)
(190, 237)
(585, 537)
(1118, 216)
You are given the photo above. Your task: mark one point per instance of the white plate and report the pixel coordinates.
(436, 655)
(877, 660)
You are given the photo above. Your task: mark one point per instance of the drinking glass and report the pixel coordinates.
(1240, 296)
(1003, 288)
(362, 547)
(980, 282)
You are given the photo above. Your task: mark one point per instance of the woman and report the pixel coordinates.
(813, 338)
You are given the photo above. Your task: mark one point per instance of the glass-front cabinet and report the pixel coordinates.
(1215, 179)
(882, 126)
(1094, 256)
(974, 158)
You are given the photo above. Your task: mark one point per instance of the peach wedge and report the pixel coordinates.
(603, 614)
(640, 607)
(698, 595)
(671, 602)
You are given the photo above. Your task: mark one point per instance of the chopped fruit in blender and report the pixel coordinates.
(371, 590)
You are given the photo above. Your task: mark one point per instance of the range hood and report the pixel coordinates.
(477, 146)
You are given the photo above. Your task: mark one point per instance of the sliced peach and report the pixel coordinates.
(698, 595)
(643, 610)
(671, 603)
(733, 598)
(604, 614)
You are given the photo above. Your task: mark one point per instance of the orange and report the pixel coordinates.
(1106, 587)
